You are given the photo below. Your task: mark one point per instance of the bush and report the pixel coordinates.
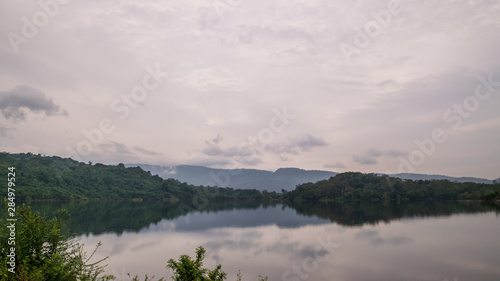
(45, 250)
(187, 269)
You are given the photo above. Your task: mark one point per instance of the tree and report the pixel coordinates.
(187, 269)
(44, 250)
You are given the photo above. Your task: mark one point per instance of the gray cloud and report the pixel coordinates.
(337, 165)
(213, 148)
(4, 131)
(387, 84)
(247, 153)
(374, 238)
(146, 152)
(306, 142)
(365, 159)
(296, 145)
(240, 156)
(250, 161)
(370, 156)
(15, 102)
(116, 147)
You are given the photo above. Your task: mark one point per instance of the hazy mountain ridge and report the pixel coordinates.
(408, 176)
(283, 178)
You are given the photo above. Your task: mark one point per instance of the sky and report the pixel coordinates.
(372, 86)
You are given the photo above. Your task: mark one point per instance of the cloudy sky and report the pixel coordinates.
(371, 86)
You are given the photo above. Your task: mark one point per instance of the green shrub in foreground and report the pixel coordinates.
(46, 251)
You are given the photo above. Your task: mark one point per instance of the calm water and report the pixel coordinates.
(424, 241)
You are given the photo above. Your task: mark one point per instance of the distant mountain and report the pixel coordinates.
(407, 176)
(283, 178)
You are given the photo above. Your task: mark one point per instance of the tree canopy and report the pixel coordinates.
(54, 178)
(354, 186)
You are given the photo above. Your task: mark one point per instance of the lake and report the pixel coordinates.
(323, 241)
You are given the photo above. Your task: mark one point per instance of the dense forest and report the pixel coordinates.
(54, 178)
(354, 186)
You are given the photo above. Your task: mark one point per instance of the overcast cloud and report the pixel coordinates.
(189, 82)
(370, 157)
(15, 103)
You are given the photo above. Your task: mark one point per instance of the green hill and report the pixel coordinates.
(54, 178)
(354, 186)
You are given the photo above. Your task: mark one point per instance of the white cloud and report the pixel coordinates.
(227, 74)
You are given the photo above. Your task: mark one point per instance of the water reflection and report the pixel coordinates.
(117, 217)
(417, 241)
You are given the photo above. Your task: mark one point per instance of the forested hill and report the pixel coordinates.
(50, 177)
(357, 186)
(283, 178)
(40, 177)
